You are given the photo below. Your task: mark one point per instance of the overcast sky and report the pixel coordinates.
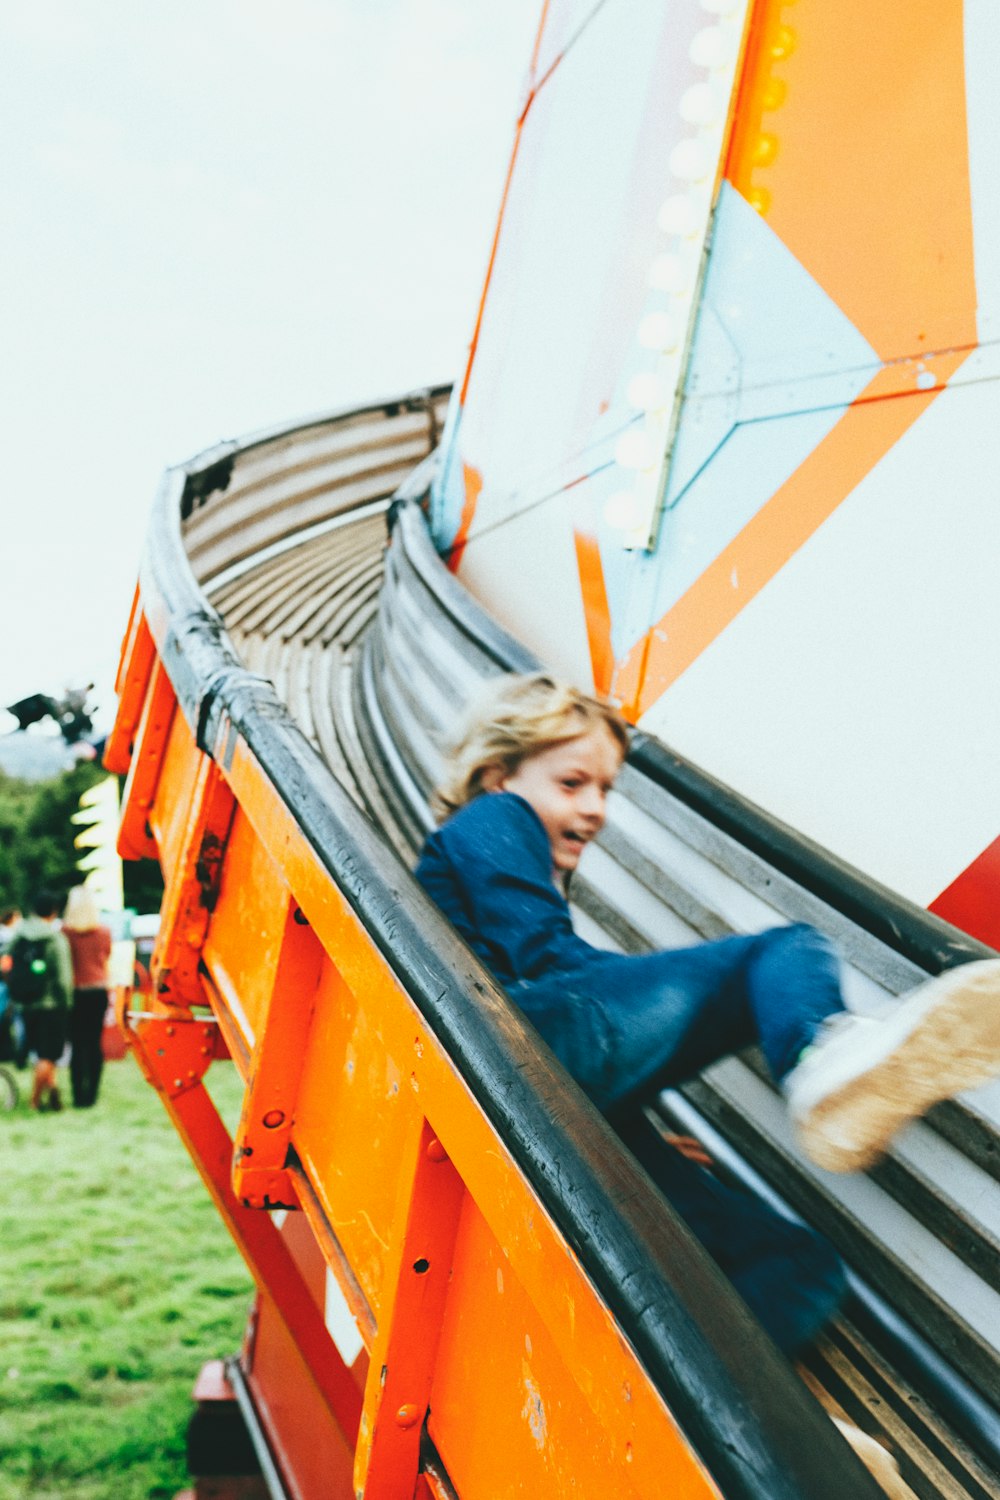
(219, 215)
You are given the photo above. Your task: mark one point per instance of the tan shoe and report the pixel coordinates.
(856, 1088)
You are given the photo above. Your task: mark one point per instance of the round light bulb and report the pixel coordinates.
(759, 200)
(691, 161)
(667, 274)
(680, 215)
(623, 511)
(765, 149)
(635, 450)
(711, 48)
(775, 93)
(659, 331)
(647, 392)
(701, 104)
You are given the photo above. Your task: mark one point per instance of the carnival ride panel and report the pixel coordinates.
(814, 616)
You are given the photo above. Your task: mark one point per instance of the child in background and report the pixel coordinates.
(526, 793)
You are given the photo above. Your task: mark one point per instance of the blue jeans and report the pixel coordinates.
(627, 1027)
(789, 1276)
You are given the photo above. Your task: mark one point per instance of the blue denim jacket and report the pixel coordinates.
(489, 869)
(621, 1024)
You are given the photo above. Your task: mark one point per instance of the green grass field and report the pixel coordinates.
(117, 1281)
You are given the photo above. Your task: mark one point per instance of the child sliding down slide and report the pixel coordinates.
(525, 794)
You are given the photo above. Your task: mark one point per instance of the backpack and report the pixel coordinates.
(32, 969)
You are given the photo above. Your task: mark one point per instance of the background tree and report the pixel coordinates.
(36, 840)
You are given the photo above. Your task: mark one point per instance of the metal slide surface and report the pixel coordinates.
(466, 1287)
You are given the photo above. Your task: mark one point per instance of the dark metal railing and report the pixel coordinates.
(744, 1412)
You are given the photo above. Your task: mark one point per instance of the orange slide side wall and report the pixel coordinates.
(477, 1320)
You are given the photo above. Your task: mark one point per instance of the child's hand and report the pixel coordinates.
(691, 1148)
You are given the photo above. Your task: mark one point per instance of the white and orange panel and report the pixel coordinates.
(728, 438)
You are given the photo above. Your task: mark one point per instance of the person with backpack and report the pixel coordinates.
(40, 981)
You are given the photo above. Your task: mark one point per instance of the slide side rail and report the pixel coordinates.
(530, 1318)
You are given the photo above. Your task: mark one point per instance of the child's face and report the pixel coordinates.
(567, 785)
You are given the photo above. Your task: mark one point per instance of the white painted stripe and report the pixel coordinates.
(954, 1176)
(340, 1322)
(848, 697)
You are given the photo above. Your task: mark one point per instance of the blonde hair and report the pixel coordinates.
(516, 718)
(82, 913)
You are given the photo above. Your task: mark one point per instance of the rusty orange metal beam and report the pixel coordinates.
(405, 1349)
(174, 1052)
(261, 1178)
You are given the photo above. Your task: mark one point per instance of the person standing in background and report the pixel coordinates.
(13, 1042)
(90, 947)
(40, 980)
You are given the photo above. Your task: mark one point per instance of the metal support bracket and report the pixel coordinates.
(192, 892)
(173, 1048)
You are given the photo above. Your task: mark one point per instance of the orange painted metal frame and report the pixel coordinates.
(483, 1336)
